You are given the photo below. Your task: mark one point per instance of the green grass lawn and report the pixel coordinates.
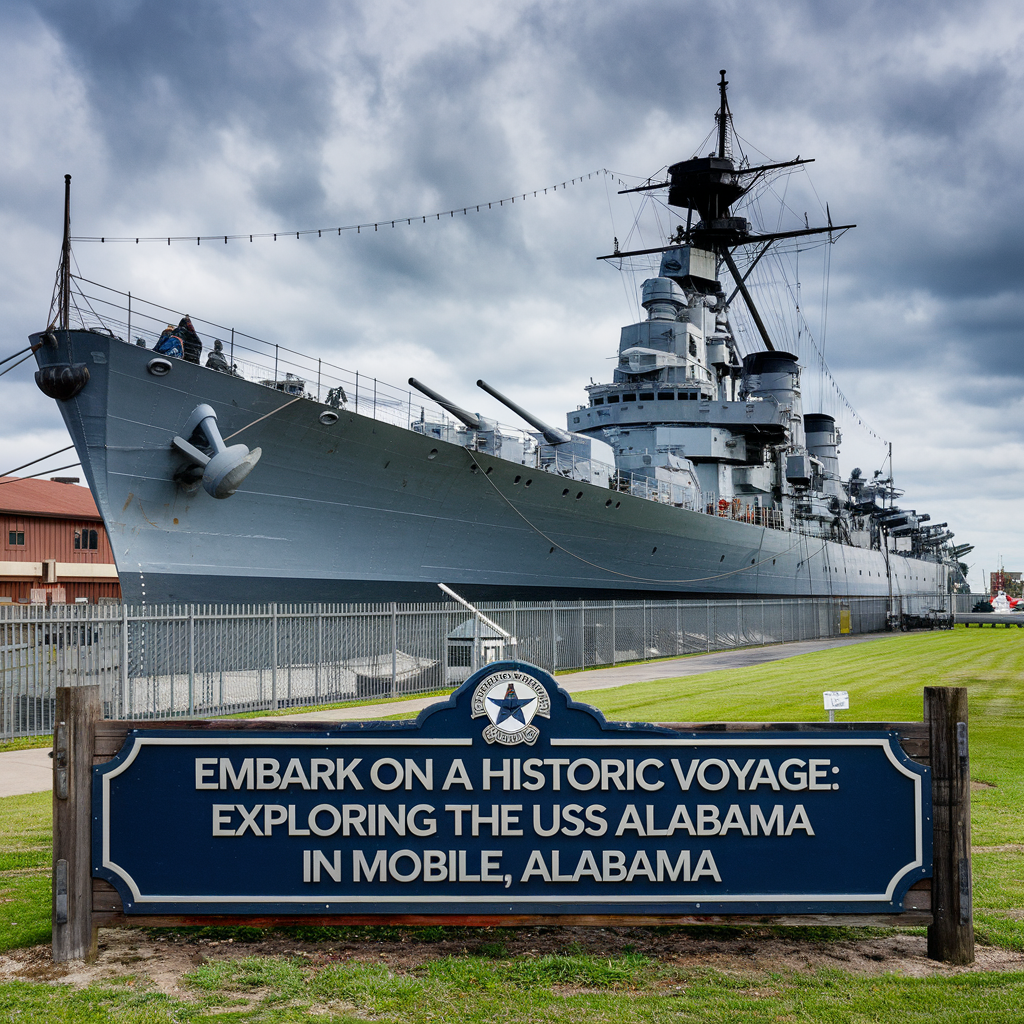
(884, 679)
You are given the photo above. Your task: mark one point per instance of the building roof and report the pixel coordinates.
(465, 631)
(46, 498)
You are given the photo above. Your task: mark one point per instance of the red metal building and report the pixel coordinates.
(54, 546)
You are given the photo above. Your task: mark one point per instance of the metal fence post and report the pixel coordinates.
(123, 711)
(613, 630)
(394, 642)
(583, 635)
(554, 640)
(319, 650)
(707, 632)
(273, 665)
(191, 660)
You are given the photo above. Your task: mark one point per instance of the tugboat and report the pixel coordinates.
(694, 472)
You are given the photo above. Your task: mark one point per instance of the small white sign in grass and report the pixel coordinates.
(836, 700)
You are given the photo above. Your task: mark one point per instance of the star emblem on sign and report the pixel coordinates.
(511, 706)
(510, 700)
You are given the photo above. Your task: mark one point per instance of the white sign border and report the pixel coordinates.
(884, 742)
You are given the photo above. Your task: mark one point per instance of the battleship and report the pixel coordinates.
(693, 472)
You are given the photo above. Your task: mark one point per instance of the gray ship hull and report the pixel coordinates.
(363, 510)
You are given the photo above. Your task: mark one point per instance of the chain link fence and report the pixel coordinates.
(184, 661)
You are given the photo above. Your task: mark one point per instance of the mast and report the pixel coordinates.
(723, 120)
(711, 185)
(64, 275)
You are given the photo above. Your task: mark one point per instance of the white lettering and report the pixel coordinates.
(457, 776)
(203, 773)
(707, 820)
(706, 866)
(379, 865)
(815, 772)
(426, 776)
(799, 819)
(333, 869)
(273, 814)
(387, 762)
(651, 762)
(685, 778)
(335, 823)
(713, 762)
(222, 818)
(764, 774)
(741, 773)
(734, 819)
(536, 866)
(428, 826)
(347, 772)
(268, 773)
(595, 774)
(294, 773)
(757, 818)
(248, 820)
(665, 865)
(408, 876)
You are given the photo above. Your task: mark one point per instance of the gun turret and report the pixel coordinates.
(551, 434)
(471, 419)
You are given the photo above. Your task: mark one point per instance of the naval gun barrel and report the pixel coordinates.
(551, 434)
(469, 418)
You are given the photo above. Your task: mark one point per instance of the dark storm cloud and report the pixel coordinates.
(163, 79)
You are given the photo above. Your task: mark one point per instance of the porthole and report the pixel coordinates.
(159, 366)
(773, 561)
(490, 470)
(617, 504)
(565, 493)
(753, 560)
(433, 453)
(327, 417)
(722, 559)
(579, 494)
(551, 551)
(608, 503)
(654, 550)
(517, 479)
(528, 482)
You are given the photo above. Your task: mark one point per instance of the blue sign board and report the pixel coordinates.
(510, 798)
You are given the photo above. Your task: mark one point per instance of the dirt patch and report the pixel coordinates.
(979, 784)
(161, 963)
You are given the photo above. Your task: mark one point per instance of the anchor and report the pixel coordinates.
(224, 471)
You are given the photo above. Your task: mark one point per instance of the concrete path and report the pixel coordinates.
(25, 771)
(29, 771)
(622, 675)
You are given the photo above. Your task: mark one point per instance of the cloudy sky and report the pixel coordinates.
(205, 117)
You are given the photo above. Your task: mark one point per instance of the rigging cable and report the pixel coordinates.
(357, 228)
(32, 476)
(41, 458)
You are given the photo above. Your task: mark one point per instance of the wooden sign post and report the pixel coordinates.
(271, 822)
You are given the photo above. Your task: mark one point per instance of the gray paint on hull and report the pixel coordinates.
(364, 510)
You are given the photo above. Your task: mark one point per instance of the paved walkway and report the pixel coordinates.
(25, 771)
(30, 771)
(621, 675)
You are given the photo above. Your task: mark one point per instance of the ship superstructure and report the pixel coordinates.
(694, 471)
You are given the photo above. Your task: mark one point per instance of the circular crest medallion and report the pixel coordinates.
(511, 700)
